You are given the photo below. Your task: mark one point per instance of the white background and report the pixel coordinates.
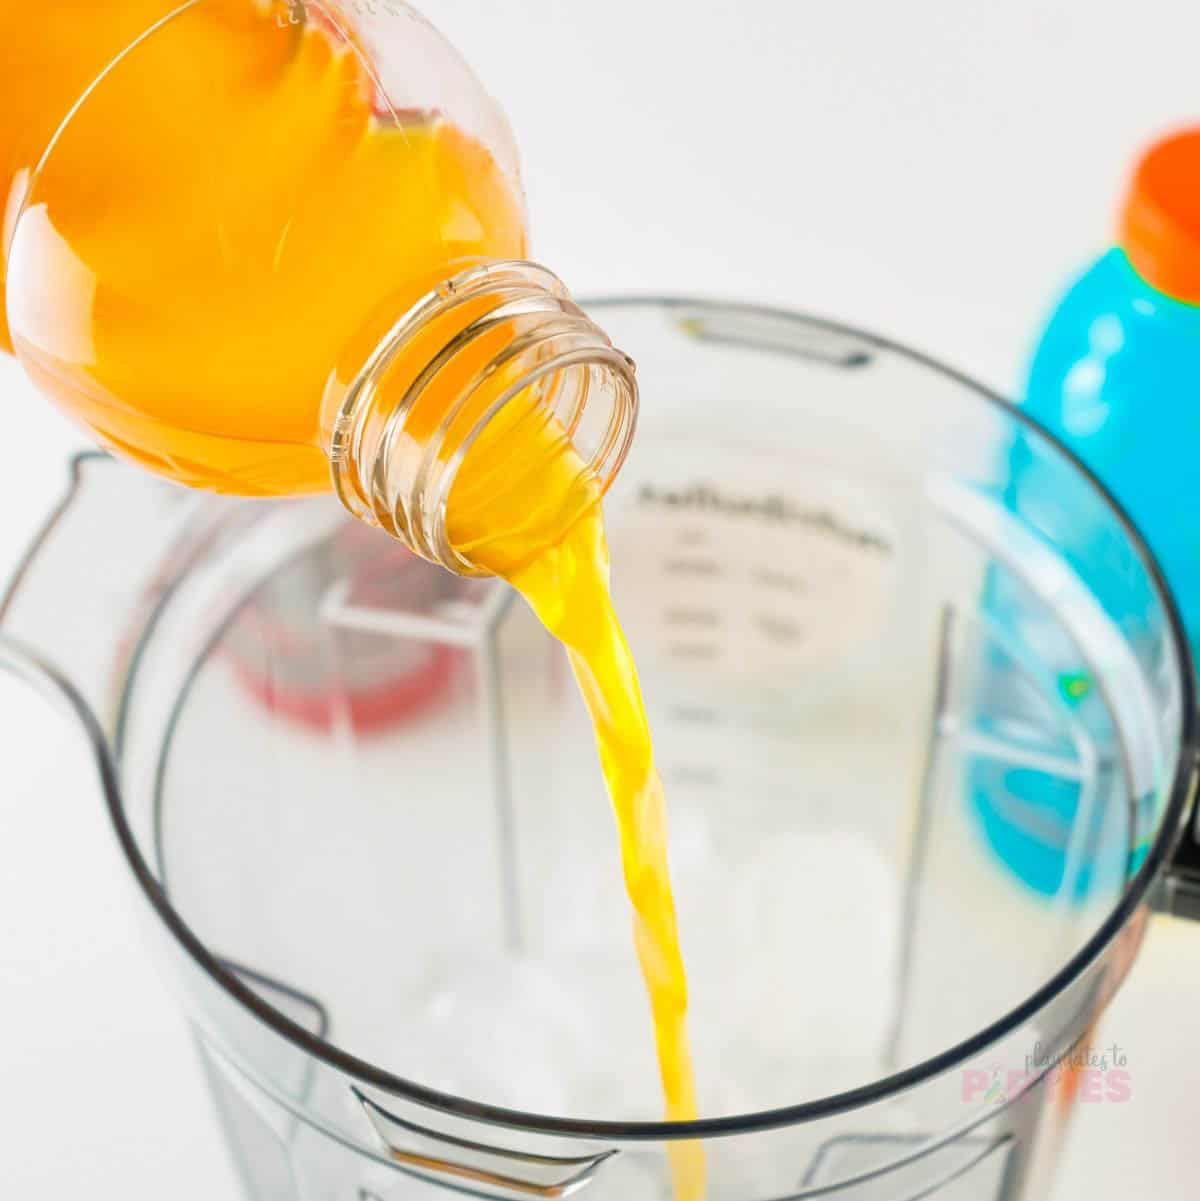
(932, 170)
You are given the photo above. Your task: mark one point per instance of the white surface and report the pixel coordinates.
(932, 170)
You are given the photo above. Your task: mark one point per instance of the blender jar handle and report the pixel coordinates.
(1179, 890)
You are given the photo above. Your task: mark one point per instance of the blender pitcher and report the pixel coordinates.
(915, 829)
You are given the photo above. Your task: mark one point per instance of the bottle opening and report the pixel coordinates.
(490, 417)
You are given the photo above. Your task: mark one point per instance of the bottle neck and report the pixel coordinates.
(497, 360)
(1149, 300)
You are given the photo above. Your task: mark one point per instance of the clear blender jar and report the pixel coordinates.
(403, 946)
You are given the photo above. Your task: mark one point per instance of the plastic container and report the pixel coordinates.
(275, 247)
(377, 937)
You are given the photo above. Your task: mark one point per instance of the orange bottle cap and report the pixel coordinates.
(1160, 222)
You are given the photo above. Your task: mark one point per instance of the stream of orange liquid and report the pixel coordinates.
(545, 535)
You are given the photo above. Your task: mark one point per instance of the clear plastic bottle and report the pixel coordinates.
(277, 245)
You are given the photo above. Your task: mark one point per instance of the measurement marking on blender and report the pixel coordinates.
(705, 567)
(702, 618)
(694, 650)
(777, 580)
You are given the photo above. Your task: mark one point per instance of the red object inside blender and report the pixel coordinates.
(301, 669)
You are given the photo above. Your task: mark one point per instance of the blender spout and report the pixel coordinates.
(36, 671)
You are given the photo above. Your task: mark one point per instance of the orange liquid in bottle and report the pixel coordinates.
(219, 230)
(216, 224)
(46, 62)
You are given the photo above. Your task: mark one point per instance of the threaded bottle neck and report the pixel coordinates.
(494, 353)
